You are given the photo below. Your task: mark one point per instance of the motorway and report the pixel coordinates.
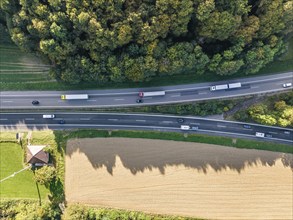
(127, 97)
(24, 121)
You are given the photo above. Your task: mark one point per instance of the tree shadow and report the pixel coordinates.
(40, 199)
(57, 192)
(143, 154)
(37, 185)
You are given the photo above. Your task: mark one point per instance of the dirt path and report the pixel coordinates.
(179, 178)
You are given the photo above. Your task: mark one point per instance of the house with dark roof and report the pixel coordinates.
(36, 155)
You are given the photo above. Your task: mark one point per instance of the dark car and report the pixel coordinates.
(35, 102)
(180, 120)
(62, 122)
(246, 126)
(139, 100)
(194, 128)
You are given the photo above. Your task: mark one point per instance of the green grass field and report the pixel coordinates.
(18, 68)
(22, 185)
(23, 71)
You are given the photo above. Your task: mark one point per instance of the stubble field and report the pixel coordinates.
(179, 178)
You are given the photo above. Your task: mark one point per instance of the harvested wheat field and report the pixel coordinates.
(179, 178)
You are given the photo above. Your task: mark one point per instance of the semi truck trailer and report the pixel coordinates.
(74, 97)
(225, 86)
(234, 85)
(148, 94)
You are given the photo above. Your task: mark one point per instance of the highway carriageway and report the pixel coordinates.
(21, 121)
(127, 97)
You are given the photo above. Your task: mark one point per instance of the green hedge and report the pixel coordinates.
(27, 209)
(82, 212)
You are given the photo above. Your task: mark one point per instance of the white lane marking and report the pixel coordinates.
(167, 121)
(84, 119)
(135, 126)
(140, 120)
(247, 82)
(3, 119)
(270, 79)
(158, 115)
(119, 99)
(113, 119)
(182, 89)
(92, 100)
(29, 119)
(192, 123)
(221, 126)
(247, 135)
(254, 87)
(175, 95)
(153, 103)
(272, 132)
(202, 93)
(7, 101)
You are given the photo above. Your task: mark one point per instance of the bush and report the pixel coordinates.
(45, 175)
(28, 209)
(82, 212)
(274, 110)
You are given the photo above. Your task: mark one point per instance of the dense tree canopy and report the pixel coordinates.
(274, 110)
(118, 40)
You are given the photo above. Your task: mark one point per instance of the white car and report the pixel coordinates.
(185, 127)
(286, 132)
(285, 85)
(48, 116)
(259, 134)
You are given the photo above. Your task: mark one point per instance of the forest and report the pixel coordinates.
(134, 40)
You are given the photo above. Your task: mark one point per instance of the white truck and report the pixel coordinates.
(74, 97)
(148, 94)
(234, 85)
(225, 86)
(219, 87)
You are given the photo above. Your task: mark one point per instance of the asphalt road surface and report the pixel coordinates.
(127, 97)
(12, 121)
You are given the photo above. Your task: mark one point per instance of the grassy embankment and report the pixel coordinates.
(23, 71)
(22, 185)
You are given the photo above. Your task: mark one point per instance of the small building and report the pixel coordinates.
(36, 156)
